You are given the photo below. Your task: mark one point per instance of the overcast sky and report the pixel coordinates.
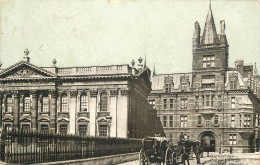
(96, 32)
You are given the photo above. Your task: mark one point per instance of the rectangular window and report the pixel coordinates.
(7, 127)
(83, 102)
(168, 88)
(211, 85)
(212, 100)
(63, 128)
(152, 103)
(184, 103)
(45, 104)
(233, 84)
(83, 130)
(232, 139)
(207, 100)
(9, 101)
(184, 121)
(164, 121)
(199, 120)
(44, 128)
(216, 119)
(171, 103)
(208, 61)
(247, 119)
(26, 127)
(233, 102)
(232, 121)
(103, 130)
(164, 103)
(184, 86)
(171, 121)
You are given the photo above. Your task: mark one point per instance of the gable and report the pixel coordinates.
(25, 70)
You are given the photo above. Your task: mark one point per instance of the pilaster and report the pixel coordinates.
(34, 110)
(92, 112)
(16, 110)
(113, 112)
(72, 111)
(53, 111)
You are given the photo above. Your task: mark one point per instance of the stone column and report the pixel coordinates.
(16, 110)
(1, 112)
(92, 112)
(113, 113)
(34, 110)
(122, 112)
(53, 111)
(72, 111)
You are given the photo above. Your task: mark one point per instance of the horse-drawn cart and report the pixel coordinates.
(155, 150)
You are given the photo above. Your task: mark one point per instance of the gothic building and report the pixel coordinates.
(215, 104)
(105, 101)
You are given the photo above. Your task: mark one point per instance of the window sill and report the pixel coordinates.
(199, 125)
(43, 113)
(216, 125)
(8, 113)
(25, 113)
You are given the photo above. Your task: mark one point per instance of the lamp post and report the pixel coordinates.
(108, 118)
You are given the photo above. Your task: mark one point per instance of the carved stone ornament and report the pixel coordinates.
(33, 93)
(114, 92)
(124, 92)
(15, 93)
(207, 116)
(73, 93)
(24, 72)
(93, 92)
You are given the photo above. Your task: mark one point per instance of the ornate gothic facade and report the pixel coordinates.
(215, 104)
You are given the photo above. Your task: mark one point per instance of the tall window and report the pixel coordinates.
(184, 121)
(171, 121)
(184, 103)
(152, 103)
(208, 61)
(164, 103)
(64, 103)
(168, 87)
(9, 105)
(233, 84)
(247, 119)
(164, 121)
(45, 103)
(26, 104)
(232, 121)
(171, 103)
(26, 127)
(232, 139)
(83, 130)
(233, 102)
(207, 100)
(199, 120)
(103, 102)
(63, 128)
(83, 102)
(103, 130)
(216, 119)
(44, 128)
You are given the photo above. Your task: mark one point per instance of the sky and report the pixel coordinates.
(97, 33)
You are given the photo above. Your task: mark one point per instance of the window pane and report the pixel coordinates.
(44, 128)
(103, 102)
(63, 129)
(9, 107)
(64, 103)
(83, 130)
(83, 103)
(45, 104)
(103, 130)
(26, 104)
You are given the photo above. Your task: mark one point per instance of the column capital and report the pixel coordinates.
(73, 93)
(53, 92)
(15, 94)
(124, 92)
(114, 92)
(93, 92)
(34, 93)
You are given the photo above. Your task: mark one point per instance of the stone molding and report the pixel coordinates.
(73, 93)
(114, 92)
(124, 92)
(93, 92)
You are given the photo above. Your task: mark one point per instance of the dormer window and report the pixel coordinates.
(168, 88)
(208, 61)
(184, 86)
(233, 84)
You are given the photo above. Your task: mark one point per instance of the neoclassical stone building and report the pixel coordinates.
(107, 101)
(214, 103)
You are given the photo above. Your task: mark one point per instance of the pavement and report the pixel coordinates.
(221, 159)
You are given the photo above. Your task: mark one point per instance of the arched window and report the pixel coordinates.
(9, 103)
(103, 102)
(83, 102)
(64, 103)
(26, 103)
(45, 103)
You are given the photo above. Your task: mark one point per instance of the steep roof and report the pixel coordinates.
(209, 34)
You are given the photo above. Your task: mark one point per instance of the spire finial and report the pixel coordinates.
(210, 4)
(154, 69)
(144, 60)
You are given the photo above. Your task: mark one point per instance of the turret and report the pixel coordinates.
(223, 38)
(196, 35)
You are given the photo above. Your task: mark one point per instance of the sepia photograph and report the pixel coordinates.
(130, 82)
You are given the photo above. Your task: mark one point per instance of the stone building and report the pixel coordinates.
(215, 104)
(106, 101)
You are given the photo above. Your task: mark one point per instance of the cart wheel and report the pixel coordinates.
(168, 157)
(142, 157)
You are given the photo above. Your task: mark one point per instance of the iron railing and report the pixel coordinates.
(35, 147)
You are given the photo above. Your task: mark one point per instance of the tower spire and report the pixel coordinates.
(209, 34)
(255, 70)
(145, 60)
(154, 69)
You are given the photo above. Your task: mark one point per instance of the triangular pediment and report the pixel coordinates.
(25, 70)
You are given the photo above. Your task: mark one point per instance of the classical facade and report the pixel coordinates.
(215, 104)
(106, 101)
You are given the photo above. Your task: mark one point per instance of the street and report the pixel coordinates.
(225, 159)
